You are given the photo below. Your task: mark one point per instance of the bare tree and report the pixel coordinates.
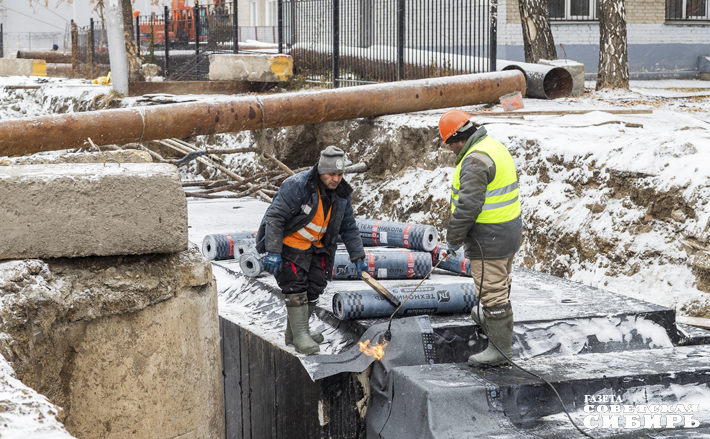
(134, 58)
(613, 71)
(537, 35)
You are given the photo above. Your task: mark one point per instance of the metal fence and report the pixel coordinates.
(180, 40)
(350, 42)
(34, 41)
(91, 48)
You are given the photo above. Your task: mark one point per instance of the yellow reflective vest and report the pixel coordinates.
(502, 203)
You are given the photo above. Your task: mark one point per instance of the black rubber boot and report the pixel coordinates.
(498, 321)
(297, 310)
(316, 336)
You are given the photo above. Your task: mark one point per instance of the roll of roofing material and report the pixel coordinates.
(404, 235)
(221, 246)
(385, 264)
(242, 246)
(456, 264)
(428, 299)
(252, 263)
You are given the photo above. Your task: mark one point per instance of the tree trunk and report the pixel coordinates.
(613, 71)
(537, 35)
(134, 60)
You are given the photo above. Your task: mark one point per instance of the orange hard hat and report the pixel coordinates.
(451, 121)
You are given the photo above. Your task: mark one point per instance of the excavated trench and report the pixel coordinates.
(407, 156)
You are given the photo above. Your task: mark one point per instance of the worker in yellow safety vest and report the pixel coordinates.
(485, 218)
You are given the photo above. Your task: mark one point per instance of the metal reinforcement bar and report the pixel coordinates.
(49, 133)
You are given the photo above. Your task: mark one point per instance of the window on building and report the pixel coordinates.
(272, 13)
(573, 10)
(254, 13)
(687, 10)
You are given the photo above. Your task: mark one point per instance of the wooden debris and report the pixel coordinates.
(278, 163)
(562, 112)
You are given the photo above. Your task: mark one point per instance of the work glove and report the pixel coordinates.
(361, 266)
(272, 263)
(451, 250)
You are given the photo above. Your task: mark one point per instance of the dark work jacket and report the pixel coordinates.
(294, 206)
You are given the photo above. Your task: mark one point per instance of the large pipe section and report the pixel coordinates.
(542, 82)
(55, 132)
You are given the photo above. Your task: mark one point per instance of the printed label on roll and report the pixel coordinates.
(231, 243)
(374, 233)
(406, 235)
(383, 237)
(382, 273)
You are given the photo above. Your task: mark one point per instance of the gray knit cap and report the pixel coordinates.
(332, 161)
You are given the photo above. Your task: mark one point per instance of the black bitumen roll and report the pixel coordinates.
(404, 235)
(252, 263)
(242, 246)
(456, 264)
(385, 264)
(427, 299)
(221, 245)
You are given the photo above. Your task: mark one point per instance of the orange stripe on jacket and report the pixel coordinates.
(311, 233)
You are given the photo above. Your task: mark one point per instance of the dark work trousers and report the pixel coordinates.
(293, 279)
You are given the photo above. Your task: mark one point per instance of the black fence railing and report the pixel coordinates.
(687, 10)
(90, 49)
(351, 42)
(178, 40)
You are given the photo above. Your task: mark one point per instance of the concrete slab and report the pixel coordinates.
(653, 382)
(251, 67)
(22, 67)
(70, 210)
(123, 156)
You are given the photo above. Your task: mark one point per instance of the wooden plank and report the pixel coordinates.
(198, 87)
(261, 388)
(231, 370)
(694, 321)
(562, 112)
(380, 289)
(245, 378)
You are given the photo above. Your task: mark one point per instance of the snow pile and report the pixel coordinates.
(25, 413)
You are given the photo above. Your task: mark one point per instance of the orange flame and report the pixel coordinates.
(377, 350)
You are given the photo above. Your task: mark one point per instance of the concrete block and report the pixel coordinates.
(704, 64)
(22, 67)
(251, 67)
(123, 156)
(70, 210)
(128, 346)
(575, 69)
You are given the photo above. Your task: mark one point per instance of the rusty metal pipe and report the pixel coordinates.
(55, 132)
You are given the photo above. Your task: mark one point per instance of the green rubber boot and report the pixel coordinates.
(498, 321)
(475, 316)
(316, 336)
(297, 310)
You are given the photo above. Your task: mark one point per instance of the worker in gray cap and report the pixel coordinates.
(299, 232)
(485, 218)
